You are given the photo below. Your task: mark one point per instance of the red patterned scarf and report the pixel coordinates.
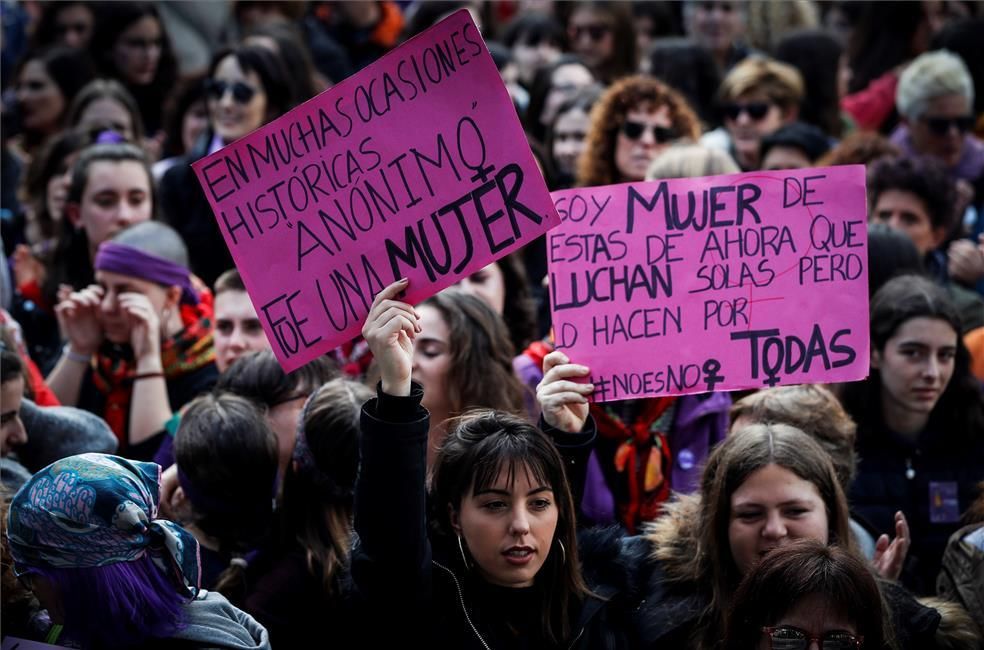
(185, 352)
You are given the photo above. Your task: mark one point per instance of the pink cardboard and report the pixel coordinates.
(716, 283)
(415, 167)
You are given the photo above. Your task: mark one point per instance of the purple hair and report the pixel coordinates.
(132, 602)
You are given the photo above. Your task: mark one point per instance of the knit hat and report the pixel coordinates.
(56, 432)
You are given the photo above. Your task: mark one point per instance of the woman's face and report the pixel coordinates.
(137, 51)
(530, 58)
(39, 98)
(916, 365)
(570, 131)
(56, 191)
(193, 124)
(771, 508)
(509, 529)
(814, 616)
(74, 24)
(432, 359)
(592, 36)
(116, 324)
(750, 118)
(565, 81)
(642, 136)
(488, 284)
(107, 113)
(237, 103)
(237, 328)
(942, 130)
(716, 25)
(116, 195)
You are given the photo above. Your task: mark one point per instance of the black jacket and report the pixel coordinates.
(422, 588)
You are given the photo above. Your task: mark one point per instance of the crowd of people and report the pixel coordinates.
(445, 476)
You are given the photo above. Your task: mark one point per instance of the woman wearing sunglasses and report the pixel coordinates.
(245, 88)
(635, 119)
(757, 97)
(807, 593)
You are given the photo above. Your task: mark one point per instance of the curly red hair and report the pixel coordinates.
(597, 164)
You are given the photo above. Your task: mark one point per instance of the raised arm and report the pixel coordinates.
(391, 561)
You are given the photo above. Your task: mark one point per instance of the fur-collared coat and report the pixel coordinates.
(676, 594)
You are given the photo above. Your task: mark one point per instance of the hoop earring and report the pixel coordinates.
(563, 552)
(464, 558)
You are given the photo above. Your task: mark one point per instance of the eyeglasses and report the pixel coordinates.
(242, 93)
(787, 637)
(755, 110)
(634, 131)
(942, 125)
(594, 32)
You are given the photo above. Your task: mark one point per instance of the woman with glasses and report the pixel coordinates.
(807, 593)
(635, 119)
(603, 35)
(757, 97)
(935, 99)
(131, 45)
(245, 88)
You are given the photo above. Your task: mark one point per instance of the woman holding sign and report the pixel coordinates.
(140, 335)
(920, 422)
(498, 567)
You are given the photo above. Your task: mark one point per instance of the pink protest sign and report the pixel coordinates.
(716, 283)
(415, 167)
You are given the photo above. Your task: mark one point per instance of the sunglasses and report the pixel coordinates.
(634, 131)
(787, 637)
(242, 93)
(942, 125)
(755, 110)
(594, 32)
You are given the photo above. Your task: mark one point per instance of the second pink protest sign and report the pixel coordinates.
(415, 167)
(718, 283)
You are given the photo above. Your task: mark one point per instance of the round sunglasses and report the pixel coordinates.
(942, 125)
(634, 131)
(755, 110)
(787, 637)
(242, 93)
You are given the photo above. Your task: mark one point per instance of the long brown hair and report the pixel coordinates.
(728, 467)
(479, 446)
(597, 163)
(319, 485)
(481, 372)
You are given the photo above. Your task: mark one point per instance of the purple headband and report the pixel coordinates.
(127, 260)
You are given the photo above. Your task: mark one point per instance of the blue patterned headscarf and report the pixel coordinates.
(93, 510)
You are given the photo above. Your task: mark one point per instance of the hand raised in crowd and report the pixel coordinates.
(965, 260)
(564, 402)
(890, 556)
(78, 319)
(390, 329)
(145, 327)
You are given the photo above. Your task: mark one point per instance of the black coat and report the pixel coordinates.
(186, 209)
(426, 595)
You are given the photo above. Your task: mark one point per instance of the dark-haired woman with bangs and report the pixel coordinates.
(497, 563)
